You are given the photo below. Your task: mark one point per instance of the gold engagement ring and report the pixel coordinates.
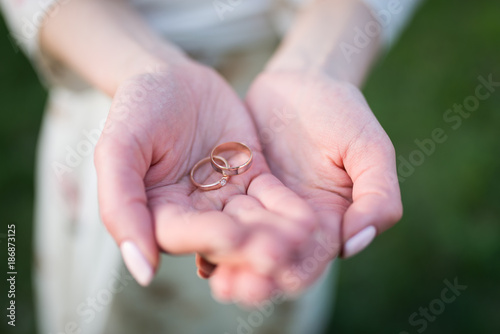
(222, 166)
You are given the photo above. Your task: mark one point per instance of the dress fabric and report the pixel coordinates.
(80, 279)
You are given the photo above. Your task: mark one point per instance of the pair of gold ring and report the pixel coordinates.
(221, 165)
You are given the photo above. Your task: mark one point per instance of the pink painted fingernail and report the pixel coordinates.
(136, 263)
(202, 274)
(359, 241)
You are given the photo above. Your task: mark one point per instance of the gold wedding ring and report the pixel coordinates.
(226, 169)
(212, 186)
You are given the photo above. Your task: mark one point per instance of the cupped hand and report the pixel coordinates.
(160, 124)
(322, 140)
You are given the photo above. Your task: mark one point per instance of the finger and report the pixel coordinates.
(180, 232)
(121, 166)
(266, 251)
(266, 247)
(263, 250)
(221, 284)
(250, 211)
(305, 270)
(250, 288)
(279, 199)
(330, 208)
(376, 197)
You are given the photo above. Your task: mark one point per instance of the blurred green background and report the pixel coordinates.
(451, 226)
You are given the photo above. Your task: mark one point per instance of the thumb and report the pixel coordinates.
(376, 196)
(121, 167)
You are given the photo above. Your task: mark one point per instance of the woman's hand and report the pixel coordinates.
(161, 123)
(321, 139)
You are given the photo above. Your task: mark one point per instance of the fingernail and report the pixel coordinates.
(201, 274)
(359, 241)
(136, 263)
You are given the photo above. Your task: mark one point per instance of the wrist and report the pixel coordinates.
(318, 40)
(168, 58)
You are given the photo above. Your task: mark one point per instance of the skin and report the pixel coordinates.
(329, 148)
(332, 163)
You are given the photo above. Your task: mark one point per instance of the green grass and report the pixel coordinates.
(452, 202)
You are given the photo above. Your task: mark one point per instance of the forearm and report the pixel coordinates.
(104, 41)
(320, 41)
